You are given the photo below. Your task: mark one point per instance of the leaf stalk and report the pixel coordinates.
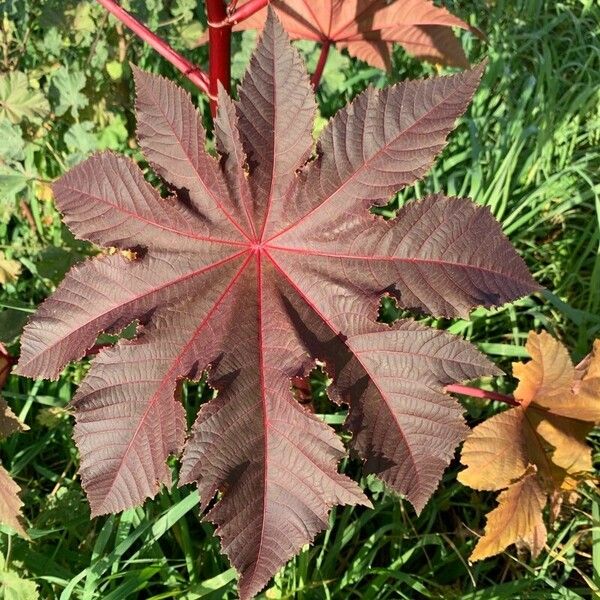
(316, 77)
(465, 390)
(187, 68)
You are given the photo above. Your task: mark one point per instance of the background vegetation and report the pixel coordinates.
(528, 147)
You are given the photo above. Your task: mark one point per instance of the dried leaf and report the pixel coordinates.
(516, 520)
(541, 441)
(9, 422)
(10, 503)
(9, 269)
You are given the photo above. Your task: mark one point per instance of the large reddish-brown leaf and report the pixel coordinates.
(368, 28)
(536, 451)
(260, 264)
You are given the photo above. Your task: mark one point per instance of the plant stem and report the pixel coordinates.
(316, 77)
(479, 393)
(219, 49)
(192, 72)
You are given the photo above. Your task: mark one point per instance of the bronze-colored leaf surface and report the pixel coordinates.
(536, 451)
(263, 261)
(368, 28)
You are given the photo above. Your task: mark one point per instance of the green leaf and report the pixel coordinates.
(336, 70)
(52, 43)
(190, 34)
(13, 587)
(114, 68)
(241, 58)
(12, 322)
(66, 92)
(100, 55)
(12, 181)
(184, 9)
(79, 138)
(53, 263)
(83, 21)
(115, 134)
(12, 142)
(18, 100)
(210, 586)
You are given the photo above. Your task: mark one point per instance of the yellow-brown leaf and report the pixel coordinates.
(566, 437)
(9, 270)
(9, 423)
(538, 450)
(516, 520)
(548, 375)
(495, 453)
(10, 503)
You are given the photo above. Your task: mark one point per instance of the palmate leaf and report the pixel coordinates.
(368, 28)
(18, 101)
(260, 264)
(535, 452)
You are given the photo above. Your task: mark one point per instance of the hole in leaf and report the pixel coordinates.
(390, 311)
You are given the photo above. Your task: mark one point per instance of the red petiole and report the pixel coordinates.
(221, 17)
(479, 393)
(316, 77)
(191, 71)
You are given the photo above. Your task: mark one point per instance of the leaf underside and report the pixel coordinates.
(368, 28)
(261, 262)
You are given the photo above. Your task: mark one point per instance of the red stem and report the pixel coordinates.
(455, 388)
(245, 11)
(219, 49)
(191, 71)
(316, 77)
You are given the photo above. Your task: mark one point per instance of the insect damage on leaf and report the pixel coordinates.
(260, 265)
(10, 503)
(537, 451)
(368, 28)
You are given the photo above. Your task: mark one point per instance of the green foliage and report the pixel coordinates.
(18, 100)
(529, 148)
(14, 587)
(65, 90)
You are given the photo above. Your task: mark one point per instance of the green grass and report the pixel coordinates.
(529, 148)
